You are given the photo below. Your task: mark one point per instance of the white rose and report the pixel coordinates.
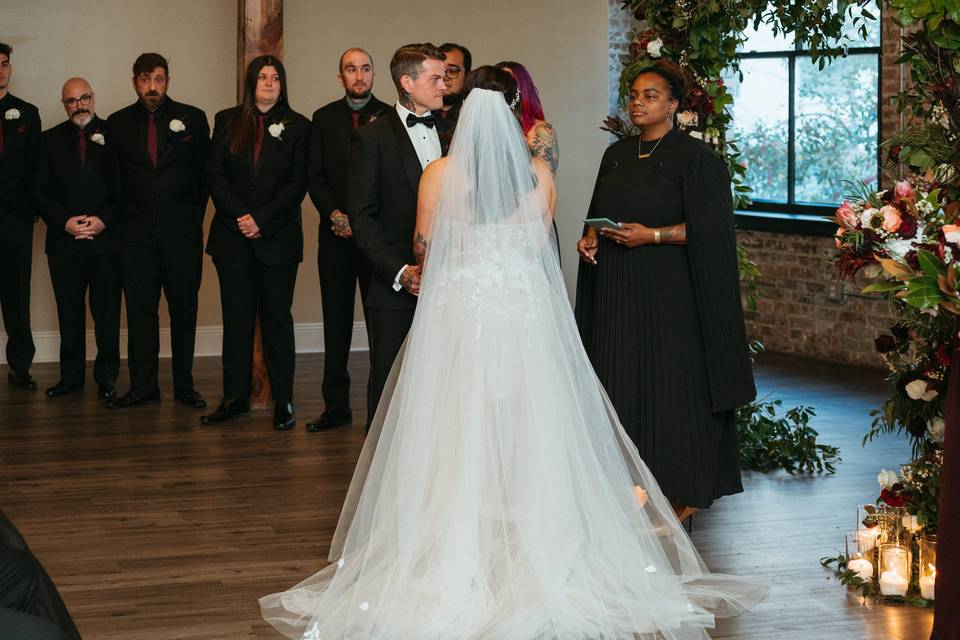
(917, 390)
(98, 139)
(898, 248)
(653, 48)
(11, 114)
(887, 478)
(936, 427)
(697, 134)
(177, 126)
(276, 129)
(952, 237)
(687, 118)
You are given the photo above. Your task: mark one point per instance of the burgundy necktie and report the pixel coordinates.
(81, 146)
(152, 137)
(355, 118)
(256, 148)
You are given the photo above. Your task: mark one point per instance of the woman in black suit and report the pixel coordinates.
(257, 172)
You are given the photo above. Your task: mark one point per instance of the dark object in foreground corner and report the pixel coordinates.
(30, 606)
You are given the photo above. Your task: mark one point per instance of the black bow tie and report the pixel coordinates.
(428, 120)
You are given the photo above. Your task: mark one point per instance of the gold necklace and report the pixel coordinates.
(641, 154)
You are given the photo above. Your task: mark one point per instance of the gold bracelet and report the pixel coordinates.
(656, 236)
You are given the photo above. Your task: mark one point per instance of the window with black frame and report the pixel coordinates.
(803, 130)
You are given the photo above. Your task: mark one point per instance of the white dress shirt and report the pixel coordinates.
(426, 142)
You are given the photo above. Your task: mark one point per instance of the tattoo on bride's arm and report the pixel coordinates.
(420, 248)
(545, 146)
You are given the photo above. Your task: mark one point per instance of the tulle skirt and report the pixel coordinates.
(495, 496)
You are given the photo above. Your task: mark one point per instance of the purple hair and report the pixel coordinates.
(530, 108)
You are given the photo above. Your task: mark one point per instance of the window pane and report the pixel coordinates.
(760, 124)
(836, 127)
(762, 39)
(873, 28)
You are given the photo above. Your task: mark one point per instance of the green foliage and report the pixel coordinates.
(770, 440)
(869, 588)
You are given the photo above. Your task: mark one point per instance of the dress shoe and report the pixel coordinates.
(106, 391)
(131, 399)
(63, 389)
(283, 417)
(190, 399)
(328, 421)
(226, 410)
(21, 379)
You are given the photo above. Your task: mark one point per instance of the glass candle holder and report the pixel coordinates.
(890, 522)
(895, 564)
(928, 565)
(859, 554)
(868, 529)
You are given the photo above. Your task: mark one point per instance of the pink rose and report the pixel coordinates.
(839, 236)
(891, 218)
(951, 233)
(903, 191)
(845, 216)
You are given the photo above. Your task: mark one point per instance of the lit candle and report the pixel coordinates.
(862, 566)
(927, 583)
(910, 523)
(893, 584)
(867, 538)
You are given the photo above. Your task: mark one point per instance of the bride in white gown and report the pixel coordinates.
(495, 496)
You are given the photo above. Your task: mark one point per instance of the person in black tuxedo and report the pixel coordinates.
(339, 261)
(19, 149)
(257, 172)
(386, 160)
(159, 148)
(30, 605)
(73, 194)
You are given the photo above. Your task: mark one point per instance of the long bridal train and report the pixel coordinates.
(494, 498)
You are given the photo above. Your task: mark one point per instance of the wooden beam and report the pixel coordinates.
(259, 32)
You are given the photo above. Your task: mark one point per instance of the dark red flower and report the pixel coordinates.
(943, 356)
(885, 344)
(901, 333)
(917, 426)
(907, 228)
(894, 153)
(893, 497)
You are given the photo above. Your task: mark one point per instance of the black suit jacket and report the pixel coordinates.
(329, 148)
(65, 188)
(382, 182)
(271, 191)
(168, 200)
(18, 161)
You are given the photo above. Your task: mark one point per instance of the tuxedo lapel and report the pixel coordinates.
(344, 125)
(408, 155)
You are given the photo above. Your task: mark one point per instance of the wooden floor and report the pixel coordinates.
(156, 528)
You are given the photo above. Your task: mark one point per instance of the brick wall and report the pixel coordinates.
(804, 309)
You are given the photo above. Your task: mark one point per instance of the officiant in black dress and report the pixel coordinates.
(658, 298)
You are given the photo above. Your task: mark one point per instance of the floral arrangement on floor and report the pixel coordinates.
(904, 242)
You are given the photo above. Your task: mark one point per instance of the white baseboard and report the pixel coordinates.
(308, 335)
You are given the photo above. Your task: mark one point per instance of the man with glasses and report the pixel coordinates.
(19, 147)
(457, 64)
(82, 240)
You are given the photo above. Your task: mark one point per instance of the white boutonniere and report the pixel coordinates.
(276, 130)
(98, 138)
(11, 114)
(176, 125)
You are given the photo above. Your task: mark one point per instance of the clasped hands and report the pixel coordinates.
(84, 227)
(410, 279)
(248, 226)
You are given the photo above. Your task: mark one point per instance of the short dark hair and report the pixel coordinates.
(147, 62)
(446, 47)
(5, 49)
(408, 59)
(676, 77)
(495, 79)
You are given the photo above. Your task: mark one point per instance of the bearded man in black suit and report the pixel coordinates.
(73, 193)
(159, 151)
(339, 261)
(387, 158)
(19, 150)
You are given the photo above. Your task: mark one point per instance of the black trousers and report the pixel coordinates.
(72, 276)
(387, 329)
(146, 270)
(341, 266)
(16, 261)
(29, 601)
(251, 290)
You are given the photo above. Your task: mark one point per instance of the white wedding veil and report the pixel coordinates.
(495, 495)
